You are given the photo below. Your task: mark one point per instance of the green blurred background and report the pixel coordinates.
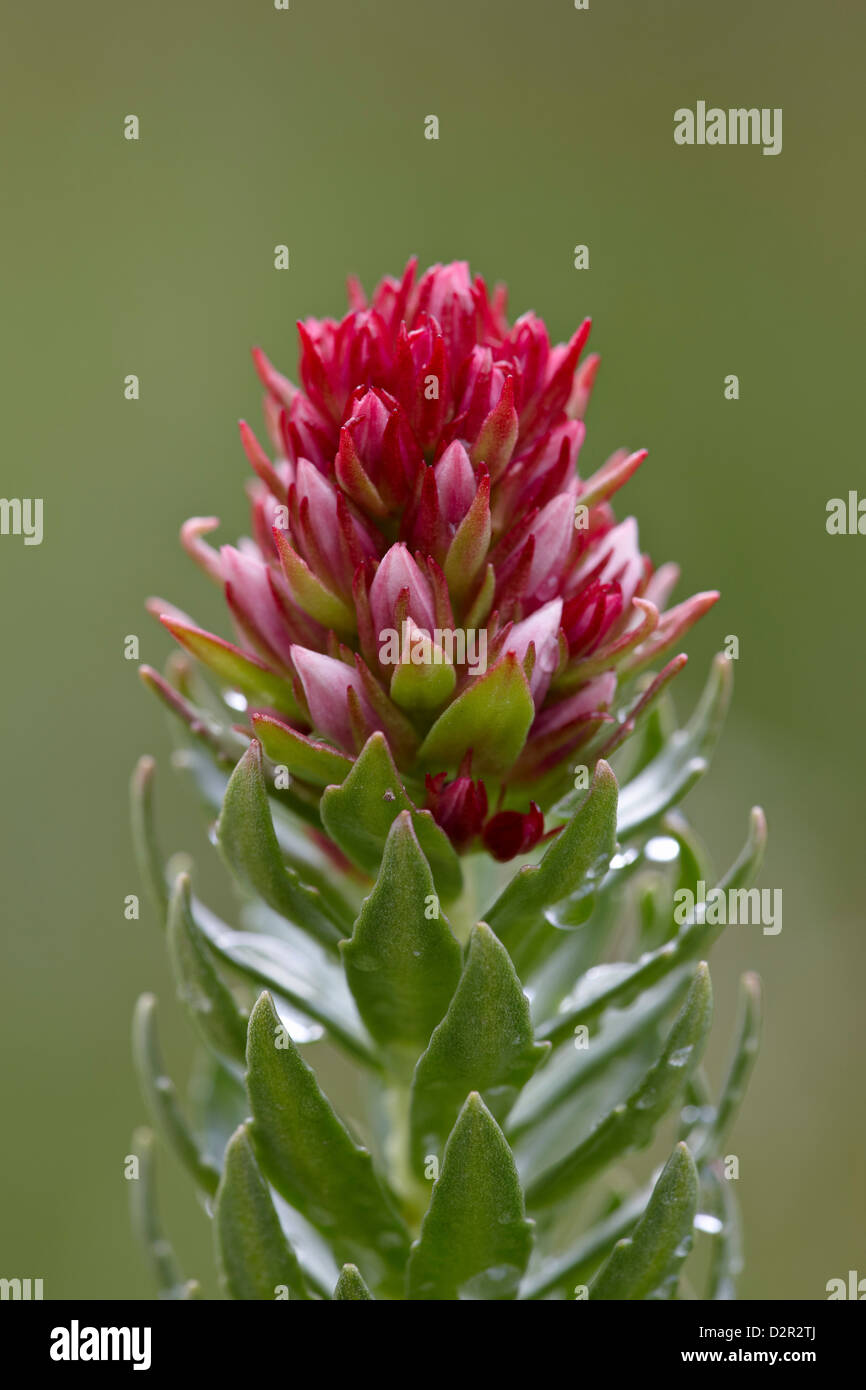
(306, 127)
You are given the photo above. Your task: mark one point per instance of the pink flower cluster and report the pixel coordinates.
(426, 471)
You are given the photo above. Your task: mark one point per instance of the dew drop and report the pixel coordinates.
(704, 1221)
(661, 849)
(681, 1056)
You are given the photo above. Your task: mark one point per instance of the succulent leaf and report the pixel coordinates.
(162, 1100)
(248, 841)
(631, 1124)
(307, 1152)
(475, 1240)
(358, 816)
(350, 1286)
(254, 1259)
(209, 1001)
(483, 1044)
(646, 1263)
(402, 961)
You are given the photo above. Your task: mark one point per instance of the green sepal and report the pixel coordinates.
(199, 986)
(484, 1044)
(246, 836)
(359, 814)
(307, 1152)
(310, 594)
(350, 1286)
(235, 668)
(161, 1097)
(492, 718)
(254, 1259)
(424, 685)
(306, 758)
(475, 1239)
(646, 1264)
(403, 961)
(631, 1125)
(469, 548)
(574, 863)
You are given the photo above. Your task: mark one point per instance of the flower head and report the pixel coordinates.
(427, 561)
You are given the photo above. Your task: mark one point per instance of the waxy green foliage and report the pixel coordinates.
(484, 1043)
(254, 1258)
(359, 813)
(306, 1150)
(402, 961)
(475, 1239)
(501, 1054)
(645, 1264)
(492, 718)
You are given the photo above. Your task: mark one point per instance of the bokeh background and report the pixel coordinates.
(305, 127)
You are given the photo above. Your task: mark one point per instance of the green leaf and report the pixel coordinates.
(617, 984)
(307, 1152)
(249, 844)
(243, 672)
(562, 1273)
(647, 1263)
(694, 862)
(147, 852)
(146, 1224)
(740, 1069)
(484, 1044)
(299, 970)
(217, 1101)
(350, 1285)
(475, 1240)
(726, 1249)
(492, 717)
(306, 758)
(254, 1259)
(684, 758)
(161, 1097)
(572, 1066)
(359, 814)
(402, 962)
(632, 1124)
(312, 1249)
(209, 1001)
(575, 861)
